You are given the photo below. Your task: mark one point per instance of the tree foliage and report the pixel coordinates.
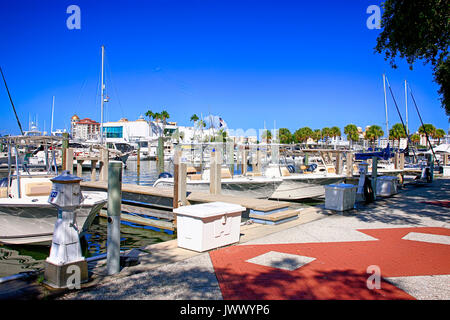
(285, 136)
(418, 30)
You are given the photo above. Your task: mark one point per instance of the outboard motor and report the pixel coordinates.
(3, 182)
(165, 175)
(291, 168)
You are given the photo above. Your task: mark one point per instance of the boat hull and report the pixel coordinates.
(293, 188)
(257, 188)
(32, 223)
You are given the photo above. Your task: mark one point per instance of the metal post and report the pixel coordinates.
(9, 169)
(114, 210)
(102, 96)
(18, 173)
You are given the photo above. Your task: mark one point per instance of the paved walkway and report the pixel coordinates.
(405, 239)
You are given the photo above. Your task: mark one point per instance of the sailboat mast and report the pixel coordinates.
(385, 105)
(406, 105)
(53, 110)
(102, 95)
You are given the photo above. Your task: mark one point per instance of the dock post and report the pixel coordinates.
(349, 162)
(339, 163)
(244, 161)
(258, 160)
(402, 161)
(139, 159)
(94, 170)
(69, 160)
(215, 173)
(79, 167)
(396, 161)
(176, 176)
(104, 159)
(160, 155)
(65, 145)
(114, 210)
(374, 176)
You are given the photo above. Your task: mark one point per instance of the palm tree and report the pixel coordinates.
(335, 132)
(164, 116)
(326, 133)
(397, 132)
(285, 135)
(302, 134)
(317, 135)
(351, 131)
(267, 135)
(194, 118)
(373, 133)
(427, 129)
(439, 134)
(149, 114)
(415, 138)
(202, 125)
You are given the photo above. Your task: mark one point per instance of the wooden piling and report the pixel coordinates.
(65, 145)
(103, 167)
(79, 167)
(94, 170)
(339, 163)
(402, 161)
(349, 162)
(69, 160)
(244, 161)
(160, 155)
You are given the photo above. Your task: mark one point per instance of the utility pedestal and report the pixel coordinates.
(65, 267)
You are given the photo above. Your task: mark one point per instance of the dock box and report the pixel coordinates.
(387, 186)
(208, 226)
(446, 171)
(340, 197)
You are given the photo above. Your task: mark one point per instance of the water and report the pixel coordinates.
(21, 258)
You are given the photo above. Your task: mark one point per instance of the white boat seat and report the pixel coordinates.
(3, 193)
(42, 188)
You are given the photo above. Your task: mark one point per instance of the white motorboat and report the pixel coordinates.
(26, 217)
(243, 186)
(298, 186)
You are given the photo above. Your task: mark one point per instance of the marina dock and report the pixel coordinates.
(165, 271)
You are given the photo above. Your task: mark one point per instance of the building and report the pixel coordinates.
(84, 129)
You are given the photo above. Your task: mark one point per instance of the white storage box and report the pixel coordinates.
(207, 226)
(446, 171)
(387, 186)
(340, 197)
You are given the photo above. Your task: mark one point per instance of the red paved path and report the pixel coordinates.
(339, 271)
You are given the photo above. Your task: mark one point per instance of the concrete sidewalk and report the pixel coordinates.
(405, 235)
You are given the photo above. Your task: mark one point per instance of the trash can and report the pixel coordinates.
(207, 226)
(340, 197)
(387, 186)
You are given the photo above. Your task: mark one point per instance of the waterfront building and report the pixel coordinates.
(84, 129)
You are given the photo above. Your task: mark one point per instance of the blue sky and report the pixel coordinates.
(299, 63)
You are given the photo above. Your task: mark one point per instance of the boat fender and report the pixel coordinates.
(368, 191)
(291, 168)
(165, 175)
(312, 167)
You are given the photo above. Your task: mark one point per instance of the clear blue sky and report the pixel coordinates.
(300, 63)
